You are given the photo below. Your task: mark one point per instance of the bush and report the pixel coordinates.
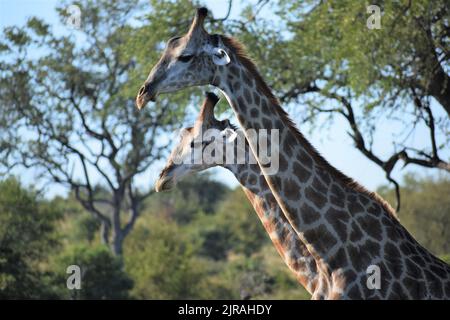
(235, 227)
(162, 261)
(102, 274)
(26, 238)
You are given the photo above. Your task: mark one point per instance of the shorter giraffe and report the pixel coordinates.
(283, 236)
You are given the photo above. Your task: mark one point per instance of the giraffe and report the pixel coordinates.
(348, 229)
(293, 252)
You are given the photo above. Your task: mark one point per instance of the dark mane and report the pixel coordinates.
(239, 50)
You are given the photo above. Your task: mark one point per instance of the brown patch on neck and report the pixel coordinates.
(239, 50)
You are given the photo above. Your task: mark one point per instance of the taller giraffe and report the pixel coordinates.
(348, 229)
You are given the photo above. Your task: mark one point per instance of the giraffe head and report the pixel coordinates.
(195, 143)
(190, 60)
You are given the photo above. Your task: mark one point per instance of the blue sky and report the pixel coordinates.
(334, 143)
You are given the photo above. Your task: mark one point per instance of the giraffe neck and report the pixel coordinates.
(346, 228)
(286, 241)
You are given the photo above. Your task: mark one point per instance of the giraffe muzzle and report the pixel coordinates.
(164, 183)
(146, 93)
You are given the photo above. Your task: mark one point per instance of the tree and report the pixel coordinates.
(68, 112)
(27, 236)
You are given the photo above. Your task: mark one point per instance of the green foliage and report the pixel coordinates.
(191, 196)
(102, 274)
(68, 111)
(161, 261)
(85, 227)
(38, 26)
(76, 224)
(262, 275)
(326, 65)
(246, 277)
(169, 259)
(235, 227)
(446, 258)
(145, 43)
(223, 253)
(284, 284)
(26, 239)
(335, 34)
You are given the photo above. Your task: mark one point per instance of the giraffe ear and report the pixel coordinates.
(219, 56)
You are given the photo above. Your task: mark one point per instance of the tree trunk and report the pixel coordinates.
(117, 244)
(439, 88)
(438, 82)
(104, 232)
(117, 234)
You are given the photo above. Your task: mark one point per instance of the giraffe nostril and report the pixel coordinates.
(142, 90)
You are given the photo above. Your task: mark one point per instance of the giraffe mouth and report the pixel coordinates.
(164, 184)
(144, 96)
(142, 100)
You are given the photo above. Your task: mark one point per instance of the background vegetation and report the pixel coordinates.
(220, 251)
(68, 117)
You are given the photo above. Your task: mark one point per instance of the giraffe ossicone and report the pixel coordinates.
(345, 227)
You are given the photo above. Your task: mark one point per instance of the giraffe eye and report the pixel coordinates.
(185, 57)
